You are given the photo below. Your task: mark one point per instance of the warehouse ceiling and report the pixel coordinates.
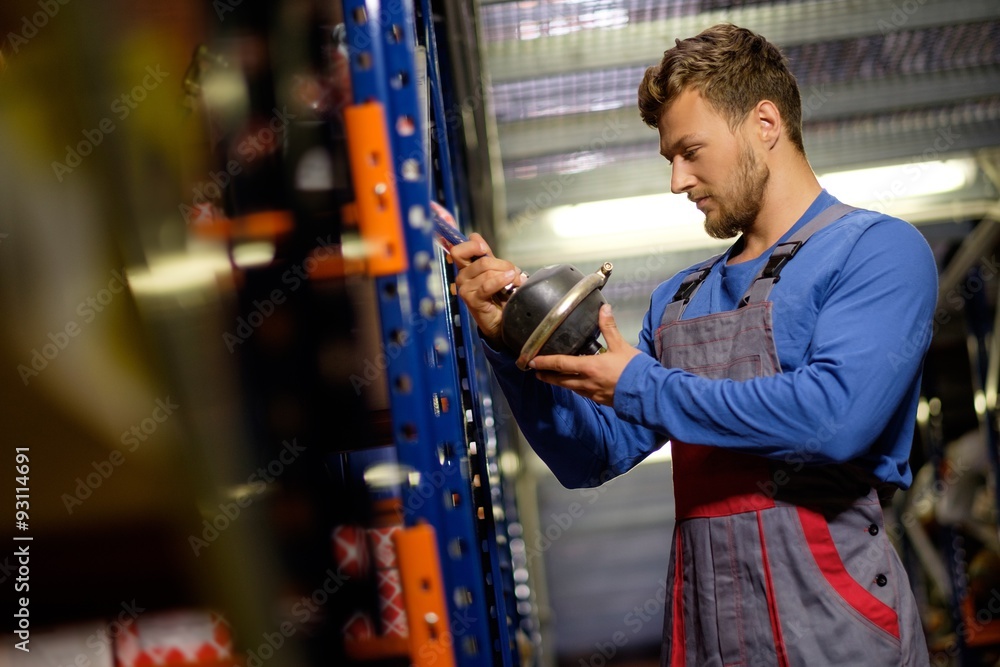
(909, 84)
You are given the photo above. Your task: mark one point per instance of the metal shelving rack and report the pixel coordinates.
(441, 425)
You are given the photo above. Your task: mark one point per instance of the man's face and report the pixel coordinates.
(715, 167)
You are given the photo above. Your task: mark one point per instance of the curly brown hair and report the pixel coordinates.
(733, 69)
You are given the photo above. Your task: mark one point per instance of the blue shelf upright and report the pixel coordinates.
(427, 421)
(487, 489)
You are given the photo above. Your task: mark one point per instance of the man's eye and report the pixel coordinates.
(689, 154)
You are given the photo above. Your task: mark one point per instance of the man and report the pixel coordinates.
(789, 405)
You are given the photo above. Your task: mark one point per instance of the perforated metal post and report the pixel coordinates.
(427, 420)
(488, 493)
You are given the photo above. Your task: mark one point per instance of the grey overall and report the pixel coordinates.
(774, 562)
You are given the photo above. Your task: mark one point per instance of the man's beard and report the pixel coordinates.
(739, 205)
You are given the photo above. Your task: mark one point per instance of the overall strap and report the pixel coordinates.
(687, 289)
(763, 283)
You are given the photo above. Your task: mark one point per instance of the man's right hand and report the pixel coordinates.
(480, 276)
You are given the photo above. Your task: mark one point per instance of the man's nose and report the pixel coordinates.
(681, 179)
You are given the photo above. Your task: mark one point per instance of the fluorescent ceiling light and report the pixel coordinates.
(680, 219)
(669, 213)
(900, 181)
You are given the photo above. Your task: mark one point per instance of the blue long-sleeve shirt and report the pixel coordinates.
(852, 322)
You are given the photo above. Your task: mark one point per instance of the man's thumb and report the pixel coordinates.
(606, 321)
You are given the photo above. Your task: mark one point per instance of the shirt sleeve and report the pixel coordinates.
(583, 443)
(866, 352)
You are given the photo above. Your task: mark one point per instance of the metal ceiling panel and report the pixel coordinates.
(573, 134)
(564, 94)
(531, 20)
(579, 46)
(872, 57)
(598, 130)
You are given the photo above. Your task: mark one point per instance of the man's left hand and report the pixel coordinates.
(594, 376)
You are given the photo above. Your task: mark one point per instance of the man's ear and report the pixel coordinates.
(767, 123)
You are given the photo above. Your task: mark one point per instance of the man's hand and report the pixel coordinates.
(480, 276)
(596, 376)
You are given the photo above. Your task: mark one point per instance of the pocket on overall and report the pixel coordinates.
(827, 616)
(854, 593)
